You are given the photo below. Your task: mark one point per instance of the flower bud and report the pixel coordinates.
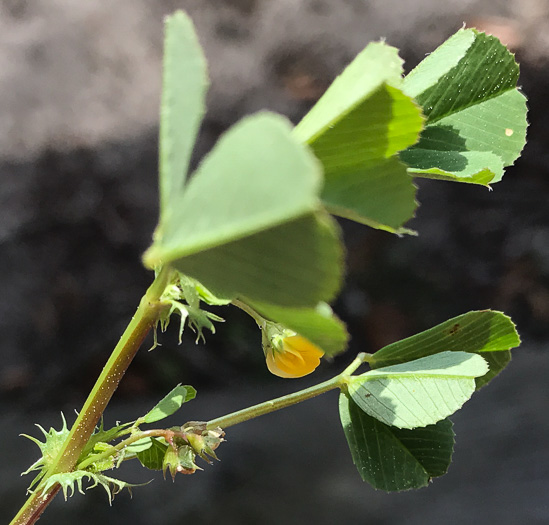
(203, 441)
(179, 459)
(288, 354)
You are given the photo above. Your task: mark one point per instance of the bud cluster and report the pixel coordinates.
(191, 440)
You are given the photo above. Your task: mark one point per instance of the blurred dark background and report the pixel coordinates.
(79, 91)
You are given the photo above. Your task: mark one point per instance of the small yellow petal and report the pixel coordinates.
(297, 358)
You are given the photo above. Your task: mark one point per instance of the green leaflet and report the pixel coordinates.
(184, 86)
(497, 361)
(356, 130)
(420, 392)
(394, 459)
(151, 456)
(491, 334)
(256, 177)
(476, 117)
(296, 264)
(170, 404)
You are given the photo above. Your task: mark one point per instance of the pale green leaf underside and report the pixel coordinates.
(355, 129)
(256, 177)
(139, 446)
(484, 332)
(467, 89)
(418, 393)
(297, 264)
(320, 325)
(394, 459)
(170, 404)
(184, 86)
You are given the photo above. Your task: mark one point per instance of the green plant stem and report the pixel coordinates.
(250, 311)
(361, 358)
(273, 405)
(144, 319)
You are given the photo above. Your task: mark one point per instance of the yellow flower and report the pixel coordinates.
(292, 356)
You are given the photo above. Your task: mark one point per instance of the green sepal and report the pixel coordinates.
(179, 460)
